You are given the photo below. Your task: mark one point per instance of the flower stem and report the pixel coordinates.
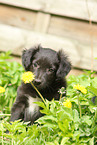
(38, 92)
(2, 139)
(79, 107)
(5, 114)
(2, 135)
(60, 96)
(12, 141)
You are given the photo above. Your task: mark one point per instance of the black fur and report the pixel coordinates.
(50, 68)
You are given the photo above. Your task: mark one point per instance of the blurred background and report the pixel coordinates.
(70, 25)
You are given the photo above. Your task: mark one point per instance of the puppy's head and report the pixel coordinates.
(47, 65)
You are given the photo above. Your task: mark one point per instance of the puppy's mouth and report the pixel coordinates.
(38, 83)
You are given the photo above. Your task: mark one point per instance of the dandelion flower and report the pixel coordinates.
(67, 103)
(28, 77)
(80, 88)
(2, 90)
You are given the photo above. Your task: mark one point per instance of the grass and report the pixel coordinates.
(61, 125)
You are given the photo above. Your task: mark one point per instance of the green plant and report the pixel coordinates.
(62, 124)
(10, 77)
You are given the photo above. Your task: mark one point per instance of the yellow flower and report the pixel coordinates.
(67, 104)
(28, 77)
(80, 88)
(2, 90)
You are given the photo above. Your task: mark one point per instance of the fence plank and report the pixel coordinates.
(16, 39)
(69, 8)
(42, 22)
(24, 18)
(18, 17)
(72, 28)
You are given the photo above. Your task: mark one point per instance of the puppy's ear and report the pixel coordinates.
(27, 56)
(64, 65)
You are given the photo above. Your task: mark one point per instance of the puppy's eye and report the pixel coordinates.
(35, 64)
(50, 70)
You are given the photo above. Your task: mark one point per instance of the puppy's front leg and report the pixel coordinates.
(17, 111)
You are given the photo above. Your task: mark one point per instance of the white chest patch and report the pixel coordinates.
(32, 106)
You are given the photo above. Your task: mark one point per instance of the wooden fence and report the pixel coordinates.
(58, 24)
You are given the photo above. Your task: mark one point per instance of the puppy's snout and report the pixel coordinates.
(37, 81)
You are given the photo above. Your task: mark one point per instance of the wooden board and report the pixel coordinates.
(69, 8)
(42, 22)
(72, 28)
(18, 17)
(26, 19)
(17, 39)
(46, 23)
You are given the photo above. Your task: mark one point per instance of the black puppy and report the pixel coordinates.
(50, 68)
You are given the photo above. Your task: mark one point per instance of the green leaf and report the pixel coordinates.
(91, 142)
(41, 104)
(86, 119)
(75, 115)
(92, 90)
(94, 82)
(64, 140)
(49, 143)
(65, 113)
(48, 121)
(64, 126)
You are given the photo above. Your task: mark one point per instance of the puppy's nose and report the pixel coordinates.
(37, 82)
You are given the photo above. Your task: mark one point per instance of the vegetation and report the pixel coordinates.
(72, 120)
